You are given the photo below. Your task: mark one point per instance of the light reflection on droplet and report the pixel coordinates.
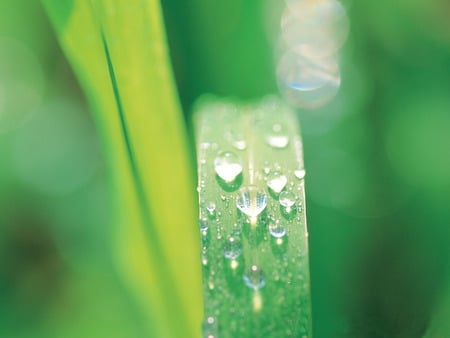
(251, 201)
(254, 278)
(277, 136)
(276, 181)
(228, 166)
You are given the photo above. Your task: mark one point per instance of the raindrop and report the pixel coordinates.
(276, 181)
(277, 230)
(254, 278)
(232, 248)
(277, 137)
(228, 166)
(251, 201)
(308, 82)
(300, 174)
(287, 199)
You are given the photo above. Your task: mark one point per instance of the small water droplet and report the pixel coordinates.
(210, 328)
(211, 208)
(203, 223)
(251, 201)
(276, 181)
(232, 248)
(277, 230)
(287, 199)
(277, 137)
(254, 278)
(236, 139)
(228, 166)
(300, 174)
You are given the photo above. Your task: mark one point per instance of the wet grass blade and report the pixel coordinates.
(118, 51)
(252, 220)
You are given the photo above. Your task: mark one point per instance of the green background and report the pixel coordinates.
(377, 160)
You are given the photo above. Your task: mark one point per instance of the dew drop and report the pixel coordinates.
(300, 174)
(287, 199)
(277, 230)
(203, 224)
(232, 248)
(236, 139)
(211, 208)
(276, 181)
(254, 278)
(227, 166)
(209, 327)
(277, 136)
(251, 201)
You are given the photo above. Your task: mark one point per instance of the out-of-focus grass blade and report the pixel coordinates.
(119, 53)
(252, 220)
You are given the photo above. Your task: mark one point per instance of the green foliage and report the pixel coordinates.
(252, 220)
(119, 53)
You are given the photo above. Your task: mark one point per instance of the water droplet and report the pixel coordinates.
(211, 208)
(277, 137)
(251, 201)
(210, 327)
(276, 181)
(254, 278)
(308, 82)
(228, 166)
(236, 139)
(277, 230)
(232, 248)
(203, 223)
(300, 174)
(287, 199)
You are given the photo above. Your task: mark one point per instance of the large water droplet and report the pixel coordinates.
(232, 248)
(254, 278)
(276, 181)
(228, 166)
(277, 136)
(251, 201)
(287, 199)
(308, 82)
(315, 28)
(300, 174)
(277, 230)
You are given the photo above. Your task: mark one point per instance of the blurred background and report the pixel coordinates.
(377, 158)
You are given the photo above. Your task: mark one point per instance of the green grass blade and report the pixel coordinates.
(119, 53)
(255, 256)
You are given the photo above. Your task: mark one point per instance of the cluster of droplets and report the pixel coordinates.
(249, 221)
(312, 32)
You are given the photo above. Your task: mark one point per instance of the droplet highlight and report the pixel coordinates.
(251, 201)
(254, 278)
(228, 166)
(276, 181)
(232, 248)
(277, 136)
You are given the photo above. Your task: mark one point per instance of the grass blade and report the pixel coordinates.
(252, 220)
(119, 53)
